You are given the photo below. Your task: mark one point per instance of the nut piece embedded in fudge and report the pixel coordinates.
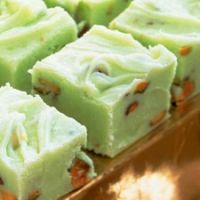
(112, 84)
(175, 24)
(29, 31)
(39, 148)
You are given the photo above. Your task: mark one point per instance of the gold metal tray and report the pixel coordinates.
(177, 141)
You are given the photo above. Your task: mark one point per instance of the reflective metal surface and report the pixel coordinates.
(177, 141)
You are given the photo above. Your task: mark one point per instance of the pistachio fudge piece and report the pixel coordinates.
(175, 24)
(92, 11)
(69, 5)
(110, 83)
(100, 11)
(29, 31)
(40, 149)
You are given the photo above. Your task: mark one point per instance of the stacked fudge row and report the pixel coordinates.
(29, 31)
(40, 148)
(106, 80)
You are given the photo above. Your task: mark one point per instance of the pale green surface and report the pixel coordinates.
(175, 24)
(92, 11)
(48, 143)
(100, 11)
(69, 5)
(98, 100)
(29, 31)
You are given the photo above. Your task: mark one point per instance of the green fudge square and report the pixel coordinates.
(69, 5)
(175, 24)
(29, 31)
(112, 84)
(91, 11)
(40, 149)
(100, 11)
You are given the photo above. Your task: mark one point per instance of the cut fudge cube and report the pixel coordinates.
(92, 11)
(69, 5)
(29, 31)
(112, 84)
(40, 149)
(175, 24)
(100, 11)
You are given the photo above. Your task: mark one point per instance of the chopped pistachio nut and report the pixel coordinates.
(132, 108)
(7, 195)
(79, 171)
(141, 86)
(34, 195)
(158, 118)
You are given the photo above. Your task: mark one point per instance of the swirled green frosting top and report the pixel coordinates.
(177, 18)
(29, 128)
(15, 13)
(29, 31)
(105, 63)
(105, 76)
(40, 149)
(175, 24)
